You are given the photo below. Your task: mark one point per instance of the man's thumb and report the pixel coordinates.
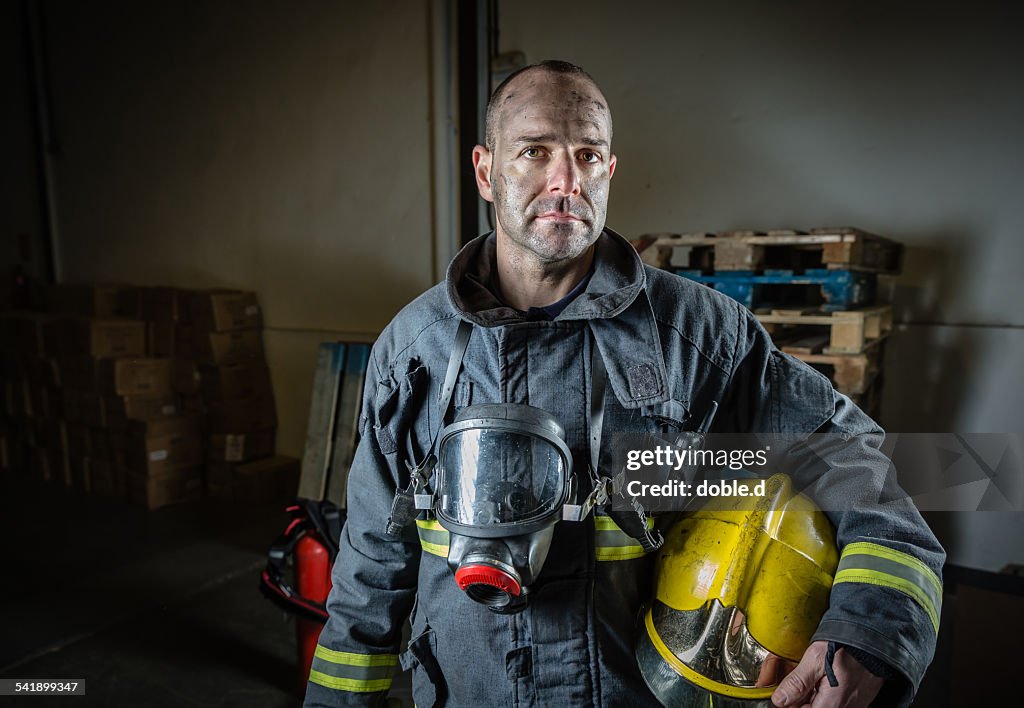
(797, 686)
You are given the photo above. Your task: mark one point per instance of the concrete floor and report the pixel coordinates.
(150, 608)
(162, 608)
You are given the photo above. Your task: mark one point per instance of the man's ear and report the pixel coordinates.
(612, 161)
(482, 170)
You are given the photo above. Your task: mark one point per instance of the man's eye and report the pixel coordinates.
(532, 152)
(590, 156)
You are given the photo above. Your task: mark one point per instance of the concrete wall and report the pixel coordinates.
(278, 147)
(899, 118)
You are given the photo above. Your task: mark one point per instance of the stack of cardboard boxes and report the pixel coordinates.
(225, 337)
(92, 325)
(33, 433)
(127, 391)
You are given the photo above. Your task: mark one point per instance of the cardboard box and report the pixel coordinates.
(242, 415)
(241, 447)
(225, 311)
(172, 487)
(162, 304)
(242, 381)
(118, 410)
(162, 444)
(160, 338)
(109, 338)
(261, 481)
(135, 377)
(192, 404)
(94, 300)
(185, 376)
(226, 348)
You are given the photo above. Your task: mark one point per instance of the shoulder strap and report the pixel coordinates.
(406, 501)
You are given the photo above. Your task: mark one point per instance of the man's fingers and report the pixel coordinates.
(796, 689)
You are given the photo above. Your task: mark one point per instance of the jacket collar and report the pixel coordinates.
(615, 306)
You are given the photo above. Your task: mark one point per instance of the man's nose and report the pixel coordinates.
(564, 175)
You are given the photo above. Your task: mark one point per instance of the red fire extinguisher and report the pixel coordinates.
(307, 547)
(313, 582)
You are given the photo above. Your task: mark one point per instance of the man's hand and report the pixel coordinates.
(808, 686)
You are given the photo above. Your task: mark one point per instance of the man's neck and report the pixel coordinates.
(526, 282)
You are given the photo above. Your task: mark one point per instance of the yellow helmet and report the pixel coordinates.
(741, 585)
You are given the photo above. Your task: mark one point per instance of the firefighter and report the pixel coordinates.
(484, 403)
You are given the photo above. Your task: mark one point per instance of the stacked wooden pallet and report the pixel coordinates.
(815, 292)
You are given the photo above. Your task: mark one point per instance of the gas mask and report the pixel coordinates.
(503, 474)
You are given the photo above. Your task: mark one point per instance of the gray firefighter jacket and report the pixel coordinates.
(670, 347)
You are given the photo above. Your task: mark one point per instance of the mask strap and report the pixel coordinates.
(634, 520)
(413, 497)
(598, 383)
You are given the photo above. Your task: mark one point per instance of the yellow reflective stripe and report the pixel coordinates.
(350, 659)
(433, 537)
(612, 543)
(875, 564)
(874, 549)
(618, 553)
(605, 523)
(344, 684)
(434, 548)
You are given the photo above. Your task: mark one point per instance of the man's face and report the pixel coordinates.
(549, 171)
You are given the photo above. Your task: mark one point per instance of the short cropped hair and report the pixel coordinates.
(554, 66)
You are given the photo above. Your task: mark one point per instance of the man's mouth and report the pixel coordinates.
(558, 217)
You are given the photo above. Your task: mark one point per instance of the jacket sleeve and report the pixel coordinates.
(374, 576)
(887, 593)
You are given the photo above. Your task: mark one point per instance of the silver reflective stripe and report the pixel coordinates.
(874, 564)
(349, 671)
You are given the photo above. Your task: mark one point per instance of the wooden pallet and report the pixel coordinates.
(810, 331)
(852, 374)
(841, 248)
(819, 287)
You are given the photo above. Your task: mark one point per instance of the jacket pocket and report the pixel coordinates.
(428, 684)
(397, 403)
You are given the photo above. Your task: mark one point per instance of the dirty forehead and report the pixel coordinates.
(541, 95)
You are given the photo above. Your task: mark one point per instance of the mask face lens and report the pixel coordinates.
(491, 477)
